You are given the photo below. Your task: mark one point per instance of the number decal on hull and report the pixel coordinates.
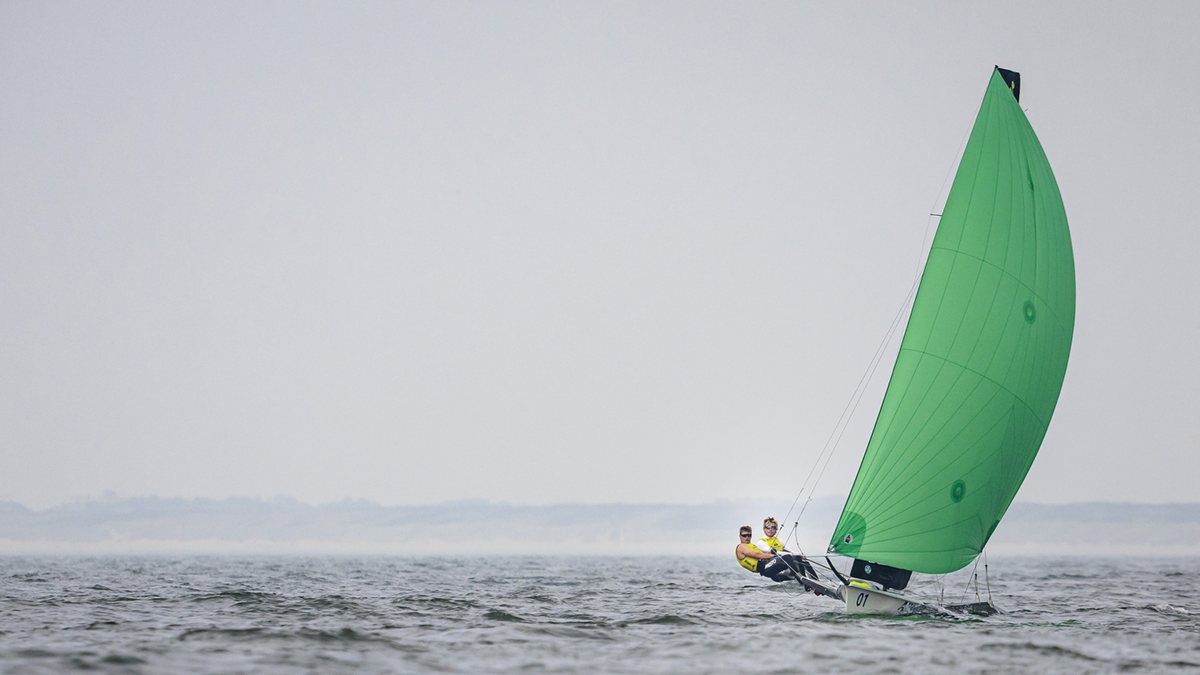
(860, 600)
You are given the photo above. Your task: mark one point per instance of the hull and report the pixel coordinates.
(976, 608)
(873, 601)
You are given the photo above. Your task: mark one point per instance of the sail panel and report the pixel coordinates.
(982, 361)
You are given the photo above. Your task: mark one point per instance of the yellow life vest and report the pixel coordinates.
(774, 543)
(748, 562)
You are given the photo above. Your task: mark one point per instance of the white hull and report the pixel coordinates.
(861, 600)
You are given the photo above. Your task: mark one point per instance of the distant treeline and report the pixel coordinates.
(1104, 512)
(147, 524)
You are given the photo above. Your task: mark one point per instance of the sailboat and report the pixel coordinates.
(978, 373)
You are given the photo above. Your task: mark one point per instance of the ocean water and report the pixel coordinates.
(576, 615)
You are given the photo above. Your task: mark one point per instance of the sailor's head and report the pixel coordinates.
(745, 532)
(770, 526)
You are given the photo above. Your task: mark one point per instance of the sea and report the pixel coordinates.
(469, 614)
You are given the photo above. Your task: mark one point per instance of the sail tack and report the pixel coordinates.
(982, 360)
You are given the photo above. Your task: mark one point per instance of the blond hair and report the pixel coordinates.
(770, 520)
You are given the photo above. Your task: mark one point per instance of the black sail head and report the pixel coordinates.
(1013, 79)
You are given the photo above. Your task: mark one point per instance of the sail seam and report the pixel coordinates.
(891, 525)
(896, 486)
(989, 379)
(1058, 320)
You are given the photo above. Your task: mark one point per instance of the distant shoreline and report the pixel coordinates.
(283, 526)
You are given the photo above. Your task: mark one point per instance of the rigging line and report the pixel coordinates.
(795, 535)
(797, 572)
(844, 580)
(851, 405)
(962, 143)
(861, 391)
(803, 558)
(825, 447)
(815, 564)
(968, 586)
(828, 568)
(922, 254)
(986, 580)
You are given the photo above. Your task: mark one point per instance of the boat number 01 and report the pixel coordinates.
(860, 600)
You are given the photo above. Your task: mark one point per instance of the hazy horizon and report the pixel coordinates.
(177, 526)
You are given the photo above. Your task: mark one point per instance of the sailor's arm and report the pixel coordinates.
(745, 551)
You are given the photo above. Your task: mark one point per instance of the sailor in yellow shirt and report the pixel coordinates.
(770, 542)
(760, 562)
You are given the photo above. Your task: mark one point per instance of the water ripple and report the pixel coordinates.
(499, 615)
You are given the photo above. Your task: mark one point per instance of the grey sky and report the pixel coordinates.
(553, 252)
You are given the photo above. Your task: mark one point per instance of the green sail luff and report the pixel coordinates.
(982, 361)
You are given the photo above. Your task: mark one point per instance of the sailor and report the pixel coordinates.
(760, 562)
(770, 542)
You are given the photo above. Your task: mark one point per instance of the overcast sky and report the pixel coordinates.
(554, 252)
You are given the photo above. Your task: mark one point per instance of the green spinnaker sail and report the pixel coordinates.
(982, 360)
